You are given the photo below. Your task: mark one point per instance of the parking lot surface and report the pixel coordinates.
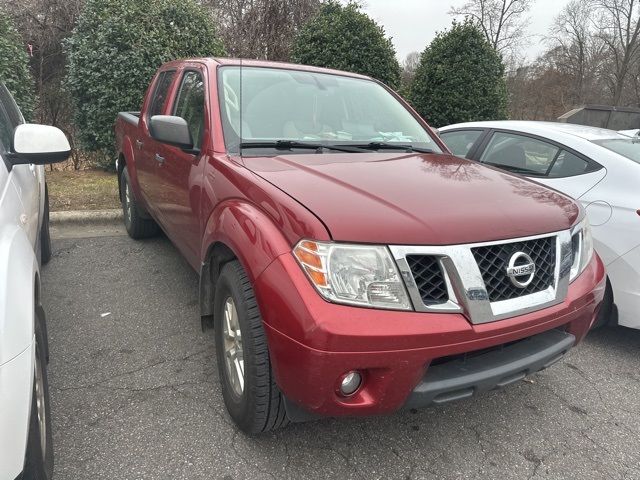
(135, 395)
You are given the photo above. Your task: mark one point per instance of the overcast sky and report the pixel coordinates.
(414, 23)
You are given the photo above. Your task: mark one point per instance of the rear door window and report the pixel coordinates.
(569, 165)
(461, 141)
(520, 154)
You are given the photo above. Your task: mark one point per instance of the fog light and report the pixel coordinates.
(350, 383)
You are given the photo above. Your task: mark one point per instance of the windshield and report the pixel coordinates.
(627, 147)
(294, 106)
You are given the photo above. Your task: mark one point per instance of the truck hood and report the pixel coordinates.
(415, 199)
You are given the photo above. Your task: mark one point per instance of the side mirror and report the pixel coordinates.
(38, 144)
(172, 130)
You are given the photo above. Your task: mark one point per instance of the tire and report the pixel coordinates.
(606, 313)
(45, 235)
(38, 464)
(258, 406)
(43, 328)
(138, 225)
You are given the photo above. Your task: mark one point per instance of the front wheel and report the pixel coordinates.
(250, 393)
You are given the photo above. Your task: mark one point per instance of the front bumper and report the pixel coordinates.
(464, 377)
(312, 343)
(16, 384)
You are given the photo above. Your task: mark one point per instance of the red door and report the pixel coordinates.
(145, 146)
(180, 172)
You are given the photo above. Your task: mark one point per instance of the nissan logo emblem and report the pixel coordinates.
(521, 269)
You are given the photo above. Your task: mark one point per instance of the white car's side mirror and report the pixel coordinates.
(38, 144)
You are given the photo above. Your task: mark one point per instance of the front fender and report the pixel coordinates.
(18, 274)
(250, 235)
(248, 232)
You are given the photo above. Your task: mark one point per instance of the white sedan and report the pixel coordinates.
(25, 421)
(599, 167)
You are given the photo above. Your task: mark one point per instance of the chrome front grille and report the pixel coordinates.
(473, 279)
(493, 261)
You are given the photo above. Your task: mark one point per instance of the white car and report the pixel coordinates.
(600, 168)
(25, 421)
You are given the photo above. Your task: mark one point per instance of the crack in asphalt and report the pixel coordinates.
(530, 456)
(186, 358)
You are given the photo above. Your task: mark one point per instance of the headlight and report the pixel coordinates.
(582, 246)
(353, 274)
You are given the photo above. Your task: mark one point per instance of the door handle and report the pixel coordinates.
(139, 144)
(159, 159)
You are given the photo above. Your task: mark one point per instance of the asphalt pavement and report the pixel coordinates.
(135, 394)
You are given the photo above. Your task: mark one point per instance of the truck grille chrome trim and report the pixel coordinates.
(471, 276)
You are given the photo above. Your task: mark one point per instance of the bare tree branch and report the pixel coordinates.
(261, 29)
(619, 29)
(503, 22)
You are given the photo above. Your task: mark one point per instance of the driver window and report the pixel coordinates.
(190, 104)
(10, 118)
(6, 130)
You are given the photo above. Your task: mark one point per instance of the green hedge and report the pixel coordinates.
(14, 66)
(460, 78)
(115, 50)
(345, 38)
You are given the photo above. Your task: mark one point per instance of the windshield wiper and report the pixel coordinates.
(392, 146)
(292, 144)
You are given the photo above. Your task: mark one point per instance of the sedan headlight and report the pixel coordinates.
(363, 275)
(582, 246)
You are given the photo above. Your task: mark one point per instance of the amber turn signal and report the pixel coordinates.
(307, 254)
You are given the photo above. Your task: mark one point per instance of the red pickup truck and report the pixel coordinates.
(349, 265)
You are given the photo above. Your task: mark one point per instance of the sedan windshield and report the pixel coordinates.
(287, 109)
(627, 147)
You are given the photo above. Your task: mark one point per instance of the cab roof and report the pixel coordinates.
(266, 64)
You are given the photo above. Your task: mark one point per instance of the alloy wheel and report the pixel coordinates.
(40, 403)
(128, 207)
(233, 352)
